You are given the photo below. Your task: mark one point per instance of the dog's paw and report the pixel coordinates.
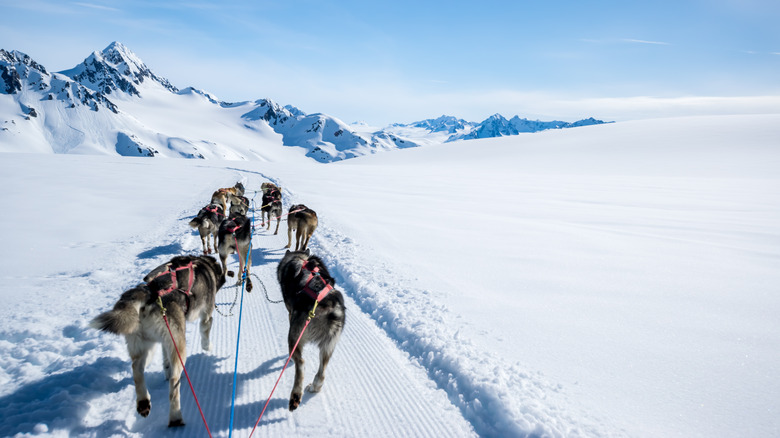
(206, 345)
(144, 407)
(176, 423)
(314, 388)
(249, 285)
(231, 273)
(295, 401)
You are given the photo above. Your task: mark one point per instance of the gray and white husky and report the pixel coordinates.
(303, 277)
(187, 286)
(207, 223)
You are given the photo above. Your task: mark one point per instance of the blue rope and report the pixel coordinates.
(240, 311)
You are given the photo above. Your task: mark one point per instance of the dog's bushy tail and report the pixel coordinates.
(123, 318)
(196, 222)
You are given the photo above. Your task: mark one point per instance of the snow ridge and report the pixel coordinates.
(486, 402)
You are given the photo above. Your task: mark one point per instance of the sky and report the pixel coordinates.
(400, 61)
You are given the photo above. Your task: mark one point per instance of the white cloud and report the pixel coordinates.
(660, 43)
(94, 6)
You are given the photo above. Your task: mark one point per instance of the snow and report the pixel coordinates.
(611, 280)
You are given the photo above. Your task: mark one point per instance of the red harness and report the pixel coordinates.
(174, 282)
(213, 210)
(232, 228)
(317, 296)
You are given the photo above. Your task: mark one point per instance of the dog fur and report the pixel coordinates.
(235, 236)
(326, 326)
(221, 195)
(304, 221)
(207, 223)
(238, 204)
(272, 207)
(268, 186)
(137, 316)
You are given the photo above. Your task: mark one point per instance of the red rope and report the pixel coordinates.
(165, 318)
(280, 377)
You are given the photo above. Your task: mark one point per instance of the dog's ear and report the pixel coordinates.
(308, 251)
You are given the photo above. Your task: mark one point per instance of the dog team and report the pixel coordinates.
(184, 289)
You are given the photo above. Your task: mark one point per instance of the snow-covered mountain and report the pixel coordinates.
(114, 69)
(498, 126)
(448, 124)
(149, 116)
(449, 128)
(112, 103)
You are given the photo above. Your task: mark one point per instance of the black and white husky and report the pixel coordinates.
(304, 279)
(207, 223)
(272, 207)
(235, 236)
(187, 286)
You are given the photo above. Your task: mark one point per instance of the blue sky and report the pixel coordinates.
(401, 61)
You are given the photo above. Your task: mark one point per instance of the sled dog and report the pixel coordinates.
(272, 207)
(187, 286)
(303, 277)
(268, 186)
(207, 223)
(238, 204)
(304, 221)
(235, 236)
(221, 195)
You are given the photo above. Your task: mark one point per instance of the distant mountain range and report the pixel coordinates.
(112, 103)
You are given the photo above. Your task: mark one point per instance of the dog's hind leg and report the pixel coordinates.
(326, 352)
(289, 231)
(248, 265)
(204, 239)
(278, 219)
(297, 391)
(205, 329)
(174, 383)
(139, 355)
(299, 237)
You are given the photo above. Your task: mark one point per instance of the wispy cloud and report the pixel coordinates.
(631, 40)
(94, 6)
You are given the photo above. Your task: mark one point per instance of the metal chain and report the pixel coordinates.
(232, 305)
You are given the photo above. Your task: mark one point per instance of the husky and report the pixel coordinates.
(207, 223)
(221, 195)
(267, 186)
(187, 286)
(304, 221)
(238, 204)
(272, 207)
(235, 236)
(303, 277)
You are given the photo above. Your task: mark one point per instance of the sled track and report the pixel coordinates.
(371, 387)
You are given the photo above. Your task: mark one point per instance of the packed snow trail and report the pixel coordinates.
(371, 388)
